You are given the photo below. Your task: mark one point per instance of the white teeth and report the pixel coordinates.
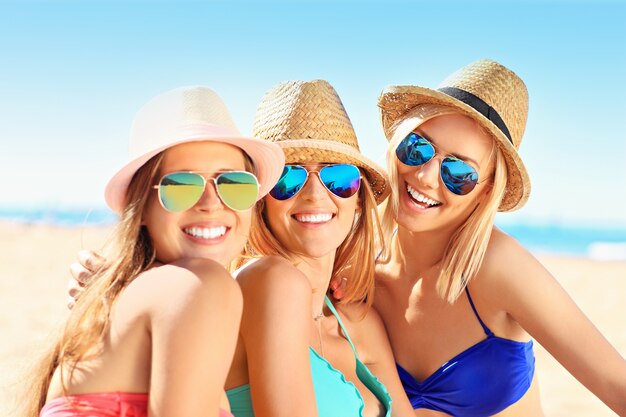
(313, 218)
(206, 232)
(421, 197)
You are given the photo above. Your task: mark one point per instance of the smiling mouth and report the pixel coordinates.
(420, 199)
(206, 232)
(313, 218)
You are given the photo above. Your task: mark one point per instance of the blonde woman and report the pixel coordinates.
(155, 333)
(460, 299)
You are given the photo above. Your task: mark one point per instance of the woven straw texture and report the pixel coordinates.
(309, 122)
(497, 86)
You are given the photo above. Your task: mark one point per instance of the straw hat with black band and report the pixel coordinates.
(484, 90)
(308, 121)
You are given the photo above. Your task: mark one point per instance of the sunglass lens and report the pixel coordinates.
(180, 191)
(343, 180)
(459, 177)
(238, 190)
(290, 182)
(414, 150)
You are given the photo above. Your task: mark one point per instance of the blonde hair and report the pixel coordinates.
(88, 322)
(352, 255)
(465, 252)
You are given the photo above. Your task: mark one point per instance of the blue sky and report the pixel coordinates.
(73, 73)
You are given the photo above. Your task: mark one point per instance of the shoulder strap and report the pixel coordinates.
(485, 328)
(343, 328)
(380, 252)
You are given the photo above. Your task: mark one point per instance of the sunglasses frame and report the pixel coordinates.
(308, 172)
(205, 181)
(443, 156)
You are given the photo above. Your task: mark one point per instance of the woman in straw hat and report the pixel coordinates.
(156, 331)
(298, 353)
(460, 299)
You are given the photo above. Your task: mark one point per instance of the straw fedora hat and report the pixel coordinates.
(308, 121)
(189, 114)
(488, 92)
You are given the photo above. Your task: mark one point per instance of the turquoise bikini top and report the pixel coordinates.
(335, 396)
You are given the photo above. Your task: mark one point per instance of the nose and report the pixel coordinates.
(313, 188)
(428, 174)
(210, 200)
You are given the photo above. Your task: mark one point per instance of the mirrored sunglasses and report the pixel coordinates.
(343, 180)
(180, 191)
(457, 175)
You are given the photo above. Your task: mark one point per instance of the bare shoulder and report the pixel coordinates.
(365, 327)
(179, 283)
(503, 258)
(273, 275)
(358, 314)
(277, 300)
(508, 268)
(187, 274)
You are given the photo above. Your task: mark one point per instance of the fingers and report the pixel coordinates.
(82, 272)
(74, 290)
(90, 260)
(80, 275)
(338, 286)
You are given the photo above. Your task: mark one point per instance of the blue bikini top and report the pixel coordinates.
(481, 381)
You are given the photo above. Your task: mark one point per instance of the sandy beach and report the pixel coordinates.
(34, 265)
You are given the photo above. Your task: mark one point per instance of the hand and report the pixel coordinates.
(337, 287)
(82, 272)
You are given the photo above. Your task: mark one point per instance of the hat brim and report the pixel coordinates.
(396, 102)
(328, 151)
(267, 158)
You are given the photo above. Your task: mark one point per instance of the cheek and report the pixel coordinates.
(245, 221)
(347, 210)
(275, 214)
(404, 171)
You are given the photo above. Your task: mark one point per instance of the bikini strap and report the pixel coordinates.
(343, 328)
(380, 252)
(485, 328)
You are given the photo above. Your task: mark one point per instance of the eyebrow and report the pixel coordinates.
(456, 155)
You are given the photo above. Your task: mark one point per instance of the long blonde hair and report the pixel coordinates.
(465, 252)
(360, 244)
(86, 327)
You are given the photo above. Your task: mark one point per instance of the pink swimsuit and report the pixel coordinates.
(106, 404)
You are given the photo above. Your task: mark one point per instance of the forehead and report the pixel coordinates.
(203, 156)
(459, 135)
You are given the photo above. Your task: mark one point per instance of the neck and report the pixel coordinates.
(319, 272)
(416, 252)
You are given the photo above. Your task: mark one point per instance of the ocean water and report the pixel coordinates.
(597, 242)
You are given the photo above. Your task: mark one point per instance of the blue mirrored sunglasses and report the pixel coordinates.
(457, 175)
(343, 180)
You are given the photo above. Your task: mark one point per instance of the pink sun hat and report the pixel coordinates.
(189, 114)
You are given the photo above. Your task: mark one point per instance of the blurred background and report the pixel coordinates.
(73, 74)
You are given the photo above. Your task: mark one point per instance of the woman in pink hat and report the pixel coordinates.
(459, 298)
(155, 333)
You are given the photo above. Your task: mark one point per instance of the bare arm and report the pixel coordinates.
(275, 328)
(531, 295)
(194, 322)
